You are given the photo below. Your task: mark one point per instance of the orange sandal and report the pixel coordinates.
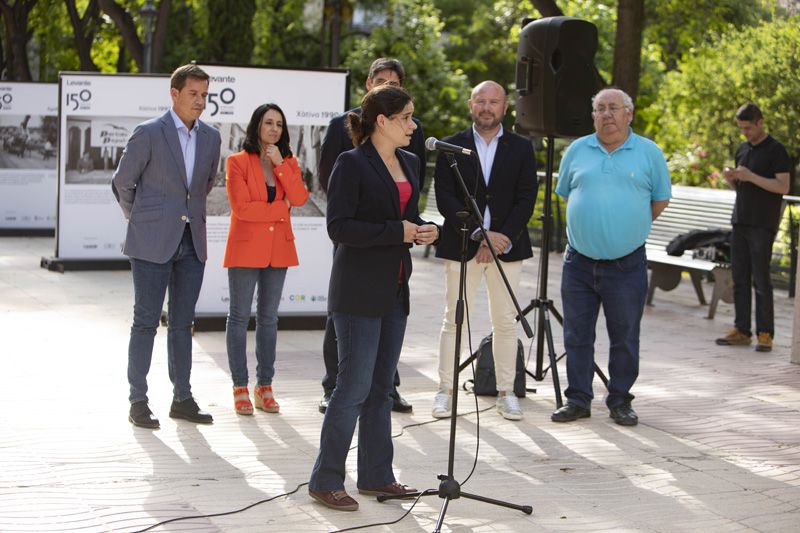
(265, 400)
(241, 401)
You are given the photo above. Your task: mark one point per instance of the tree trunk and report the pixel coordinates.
(122, 60)
(336, 32)
(628, 46)
(17, 35)
(232, 41)
(547, 8)
(160, 34)
(83, 30)
(323, 34)
(3, 64)
(127, 29)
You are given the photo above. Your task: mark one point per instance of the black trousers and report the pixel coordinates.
(751, 254)
(330, 354)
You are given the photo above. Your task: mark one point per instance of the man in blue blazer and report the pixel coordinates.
(165, 173)
(502, 176)
(382, 71)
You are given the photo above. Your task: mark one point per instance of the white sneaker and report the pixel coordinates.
(508, 407)
(441, 405)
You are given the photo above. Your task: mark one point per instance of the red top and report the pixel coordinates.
(404, 190)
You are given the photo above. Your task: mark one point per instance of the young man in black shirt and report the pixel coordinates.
(760, 179)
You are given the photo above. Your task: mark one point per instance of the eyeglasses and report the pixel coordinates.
(613, 109)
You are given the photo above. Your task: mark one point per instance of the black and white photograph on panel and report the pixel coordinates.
(94, 146)
(28, 141)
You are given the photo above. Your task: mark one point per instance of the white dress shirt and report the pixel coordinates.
(188, 140)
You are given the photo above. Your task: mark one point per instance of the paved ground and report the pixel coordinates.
(717, 449)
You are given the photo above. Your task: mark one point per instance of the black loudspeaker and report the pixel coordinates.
(556, 77)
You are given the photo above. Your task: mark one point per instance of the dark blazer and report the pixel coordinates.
(511, 194)
(337, 140)
(365, 223)
(151, 187)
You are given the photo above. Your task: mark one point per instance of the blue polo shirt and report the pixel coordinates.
(609, 195)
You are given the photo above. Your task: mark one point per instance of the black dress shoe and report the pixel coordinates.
(188, 410)
(141, 415)
(399, 405)
(624, 415)
(569, 413)
(323, 403)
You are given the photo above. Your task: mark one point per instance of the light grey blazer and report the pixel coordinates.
(151, 188)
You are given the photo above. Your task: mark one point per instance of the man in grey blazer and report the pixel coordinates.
(161, 183)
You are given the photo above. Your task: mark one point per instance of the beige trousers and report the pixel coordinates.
(501, 313)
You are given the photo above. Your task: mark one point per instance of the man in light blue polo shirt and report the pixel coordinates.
(616, 183)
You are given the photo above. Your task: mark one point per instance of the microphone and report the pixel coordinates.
(432, 144)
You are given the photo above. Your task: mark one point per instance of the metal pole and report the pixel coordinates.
(148, 14)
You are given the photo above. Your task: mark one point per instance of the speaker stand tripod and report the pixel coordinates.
(545, 305)
(449, 488)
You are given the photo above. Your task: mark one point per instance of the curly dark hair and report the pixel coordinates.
(251, 143)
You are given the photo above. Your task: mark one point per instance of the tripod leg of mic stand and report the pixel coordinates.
(527, 509)
(551, 352)
(540, 329)
(442, 513)
(600, 374)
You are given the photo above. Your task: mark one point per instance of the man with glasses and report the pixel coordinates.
(616, 184)
(388, 71)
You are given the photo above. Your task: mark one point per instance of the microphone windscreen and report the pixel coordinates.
(430, 143)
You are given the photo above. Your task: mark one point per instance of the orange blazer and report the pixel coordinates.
(260, 233)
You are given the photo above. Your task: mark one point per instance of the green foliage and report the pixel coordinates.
(673, 30)
(283, 35)
(695, 167)
(678, 26)
(412, 33)
(52, 35)
(697, 104)
(482, 37)
(187, 34)
(232, 38)
(106, 49)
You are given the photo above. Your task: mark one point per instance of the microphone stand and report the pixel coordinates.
(449, 488)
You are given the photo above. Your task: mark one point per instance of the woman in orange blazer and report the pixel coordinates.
(263, 183)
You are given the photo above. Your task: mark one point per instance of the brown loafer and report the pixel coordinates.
(334, 499)
(392, 489)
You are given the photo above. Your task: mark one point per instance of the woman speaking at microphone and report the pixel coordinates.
(263, 183)
(373, 219)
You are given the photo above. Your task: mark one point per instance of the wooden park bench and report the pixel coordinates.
(690, 208)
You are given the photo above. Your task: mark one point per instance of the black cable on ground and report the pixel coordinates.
(298, 487)
(476, 412)
(226, 513)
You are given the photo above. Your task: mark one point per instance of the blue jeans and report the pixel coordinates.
(242, 283)
(369, 348)
(182, 276)
(620, 286)
(751, 255)
(331, 358)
